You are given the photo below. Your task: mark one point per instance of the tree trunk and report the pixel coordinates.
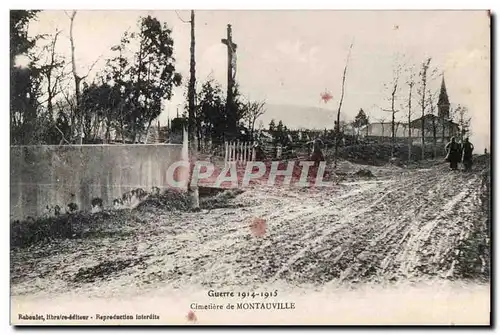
(410, 143)
(192, 82)
(199, 135)
(393, 119)
(95, 128)
(434, 136)
(423, 132)
(337, 135)
(195, 203)
(253, 129)
(51, 89)
(122, 126)
(50, 107)
(77, 79)
(425, 68)
(409, 123)
(147, 131)
(393, 133)
(108, 135)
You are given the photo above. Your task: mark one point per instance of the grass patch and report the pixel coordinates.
(220, 200)
(169, 200)
(104, 270)
(67, 226)
(380, 154)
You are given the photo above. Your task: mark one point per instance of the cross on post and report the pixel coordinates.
(231, 74)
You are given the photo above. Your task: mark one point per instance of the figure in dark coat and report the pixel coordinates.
(259, 154)
(467, 149)
(453, 153)
(317, 154)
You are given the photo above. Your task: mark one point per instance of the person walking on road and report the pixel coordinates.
(317, 154)
(467, 149)
(453, 153)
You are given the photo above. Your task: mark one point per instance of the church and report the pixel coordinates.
(440, 125)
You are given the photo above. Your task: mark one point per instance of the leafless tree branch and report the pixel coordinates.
(62, 134)
(180, 18)
(340, 105)
(91, 67)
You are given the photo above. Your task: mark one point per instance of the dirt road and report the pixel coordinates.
(402, 225)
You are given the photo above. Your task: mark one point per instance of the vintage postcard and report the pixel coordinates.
(282, 167)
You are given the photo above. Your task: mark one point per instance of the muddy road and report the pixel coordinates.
(400, 226)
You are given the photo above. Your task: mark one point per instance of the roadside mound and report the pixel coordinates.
(80, 225)
(380, 154)
(168, 200)
(67, 226)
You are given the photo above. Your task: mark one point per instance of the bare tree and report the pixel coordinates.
(432, 108)
(453, 113)
(369, 117)
(254, 110)
(443, 126)
(464, 121)
(425, 75)
(78, 79)
(396, 126)
(382, 121)
(192, 107)
(394, 91)
(75, 75)
(49, 71)
(410, 82)
(339, 109)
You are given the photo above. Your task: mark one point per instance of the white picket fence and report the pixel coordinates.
(239, 152)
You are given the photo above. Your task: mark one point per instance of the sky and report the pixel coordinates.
(291, 57)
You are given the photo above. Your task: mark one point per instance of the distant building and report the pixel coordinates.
(440, 124)
(384, 129)
(442, 127)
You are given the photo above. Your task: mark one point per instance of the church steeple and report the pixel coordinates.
(443, 102)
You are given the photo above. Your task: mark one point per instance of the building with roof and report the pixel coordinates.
(440, 124)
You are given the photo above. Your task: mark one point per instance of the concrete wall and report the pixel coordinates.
(58, 175)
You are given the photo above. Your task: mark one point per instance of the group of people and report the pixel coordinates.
(459, 152)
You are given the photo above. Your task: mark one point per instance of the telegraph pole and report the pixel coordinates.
(191, 115)
(231, 74)
(193, 191)
(192, 87)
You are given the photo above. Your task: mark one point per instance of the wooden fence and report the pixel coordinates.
(242, 152)
(239, 152)
(271, 151)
